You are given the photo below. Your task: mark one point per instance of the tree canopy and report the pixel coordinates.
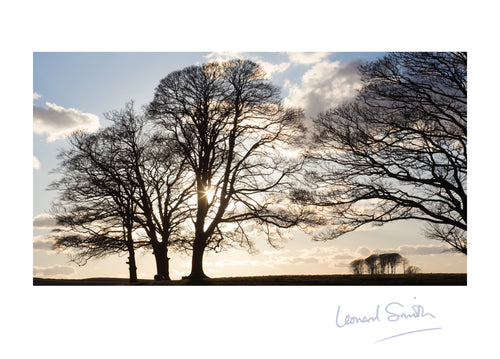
(398, 151)
(232, 128)
(125, 175)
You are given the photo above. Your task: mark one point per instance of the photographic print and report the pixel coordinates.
(250, 168)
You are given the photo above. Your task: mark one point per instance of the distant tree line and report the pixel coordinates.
(385, 263)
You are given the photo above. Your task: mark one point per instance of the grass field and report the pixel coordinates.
(342, 279)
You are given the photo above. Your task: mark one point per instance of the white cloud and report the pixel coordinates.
(307, 57)
(58, 122)
(303, 260)
(270, 68)
(325, 85)
(223, 56)
(275, 252)
(40, 243)
(363, 251)
(343, 256)
(333, 257)
(415, 250)
(55, 270)
(315, 255)
(320, 251)
(44, 221)
(36, 96)
(36, 163)
(341, 264)
(423, 249)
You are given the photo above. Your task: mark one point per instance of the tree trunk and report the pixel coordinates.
(131, 263)
(132, 268)
(200, 237)
(162, 266)
(197, 259)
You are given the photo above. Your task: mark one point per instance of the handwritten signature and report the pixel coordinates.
(392, 312)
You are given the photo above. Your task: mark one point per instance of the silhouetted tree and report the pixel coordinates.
(399, 151)
(233, 130)
(121, 170)
(378, 263)
(152, 164)
(95, 216)
(384, 260)
(357, 266)
(412, 270)
(393, 259)
(92, 234)
(372, 262)
(454, 236)
(404, 262)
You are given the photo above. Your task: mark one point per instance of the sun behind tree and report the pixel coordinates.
(227, 119)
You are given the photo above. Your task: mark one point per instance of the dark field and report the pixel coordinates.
(342, 279)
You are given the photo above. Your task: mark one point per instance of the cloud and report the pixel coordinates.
(333, 257)
(315, 255)
(306, 260)
(40, 243)
(343, 256)
(58, 122)
(36, 96)
(307, 57)
(223, 56)
(342, 264)
(44, 221)
(325, 85)
(319, 251)
(363, 251)
(423, 249)
(270, 68)
(36, 163)
(55, 270)
(415, 250)
(275, 252)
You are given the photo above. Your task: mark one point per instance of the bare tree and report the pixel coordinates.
(384, 262)
(372, 262)
(151, 163)
(92, 235)
(454, 236)
(95, 215)
(404, 262)
(412, 270)
(393, 260)
(357, 266)
(233, 130)
(122, 172)
(399, 151)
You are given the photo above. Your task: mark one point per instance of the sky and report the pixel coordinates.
(73, 90)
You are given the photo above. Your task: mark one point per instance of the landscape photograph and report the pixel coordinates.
(250, 168)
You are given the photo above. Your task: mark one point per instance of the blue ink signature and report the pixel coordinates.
(393, 311)
(418, 312)
(351, 319)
